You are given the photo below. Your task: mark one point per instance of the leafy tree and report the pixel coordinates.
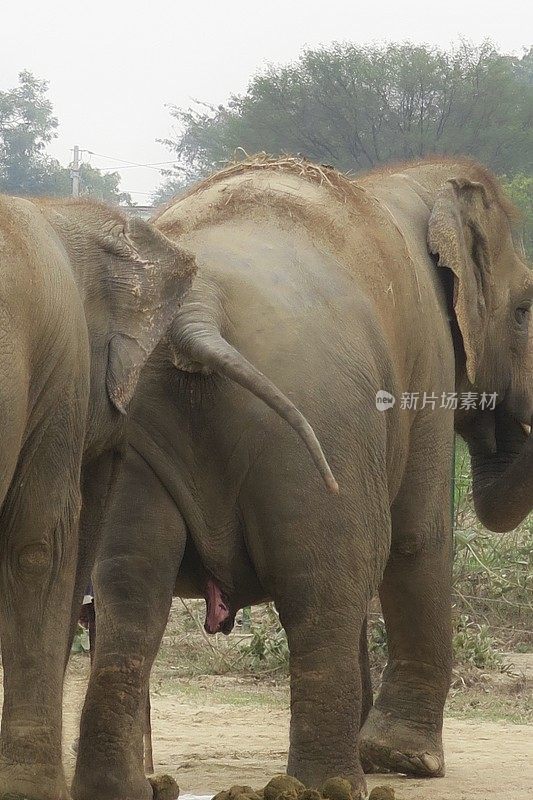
(27, 125)
(355, 107)
(171, 186)
(520, 190)
(101, 185)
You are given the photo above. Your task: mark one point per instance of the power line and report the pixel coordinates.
(75, 168)
(130, 163)
(119, 167)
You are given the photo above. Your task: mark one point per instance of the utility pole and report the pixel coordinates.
(75, 172)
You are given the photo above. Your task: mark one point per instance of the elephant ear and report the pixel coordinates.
(149, 276)
(456, 234)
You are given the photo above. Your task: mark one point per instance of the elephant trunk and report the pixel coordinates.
(502, 471)
(203, 344)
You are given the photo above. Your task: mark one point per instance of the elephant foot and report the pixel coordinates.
(391, 744)
(108, 786)
(102, 787)
(315, 777)
(32, 782)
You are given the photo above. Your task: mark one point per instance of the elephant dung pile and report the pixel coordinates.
(283, 787)
(164, 787)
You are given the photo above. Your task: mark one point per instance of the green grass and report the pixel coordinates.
(194, 692)
(513, 703)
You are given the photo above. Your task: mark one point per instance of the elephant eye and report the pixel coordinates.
(522, 313)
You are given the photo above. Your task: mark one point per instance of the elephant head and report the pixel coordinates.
(131, 279)
(491, 294)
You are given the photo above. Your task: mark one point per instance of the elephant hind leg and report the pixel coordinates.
(143, 541)
(324, 563)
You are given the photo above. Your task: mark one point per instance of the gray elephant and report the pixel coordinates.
(85, 296)
(388, 309)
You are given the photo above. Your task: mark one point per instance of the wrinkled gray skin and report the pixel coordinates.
(332, 291)
(85, 296)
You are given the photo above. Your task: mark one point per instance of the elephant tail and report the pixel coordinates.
(202, 344)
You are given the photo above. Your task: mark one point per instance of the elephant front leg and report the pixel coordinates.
(403, 731)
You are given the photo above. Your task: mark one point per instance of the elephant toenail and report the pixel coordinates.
(431, 763)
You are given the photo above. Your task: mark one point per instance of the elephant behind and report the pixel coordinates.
(372, 305)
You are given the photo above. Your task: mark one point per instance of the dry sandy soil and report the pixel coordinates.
(208, 740)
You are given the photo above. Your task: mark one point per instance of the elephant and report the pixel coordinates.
(381, 306)
(85, 296)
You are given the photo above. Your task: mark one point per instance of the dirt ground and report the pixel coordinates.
(211, 735)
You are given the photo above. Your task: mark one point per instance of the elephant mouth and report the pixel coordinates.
(519, 406)
(219, 617)
(524, 425)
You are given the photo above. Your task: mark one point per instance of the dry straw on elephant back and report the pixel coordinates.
(343, 185)
(322, 174)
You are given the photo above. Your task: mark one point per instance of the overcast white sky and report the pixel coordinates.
(112, 66)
